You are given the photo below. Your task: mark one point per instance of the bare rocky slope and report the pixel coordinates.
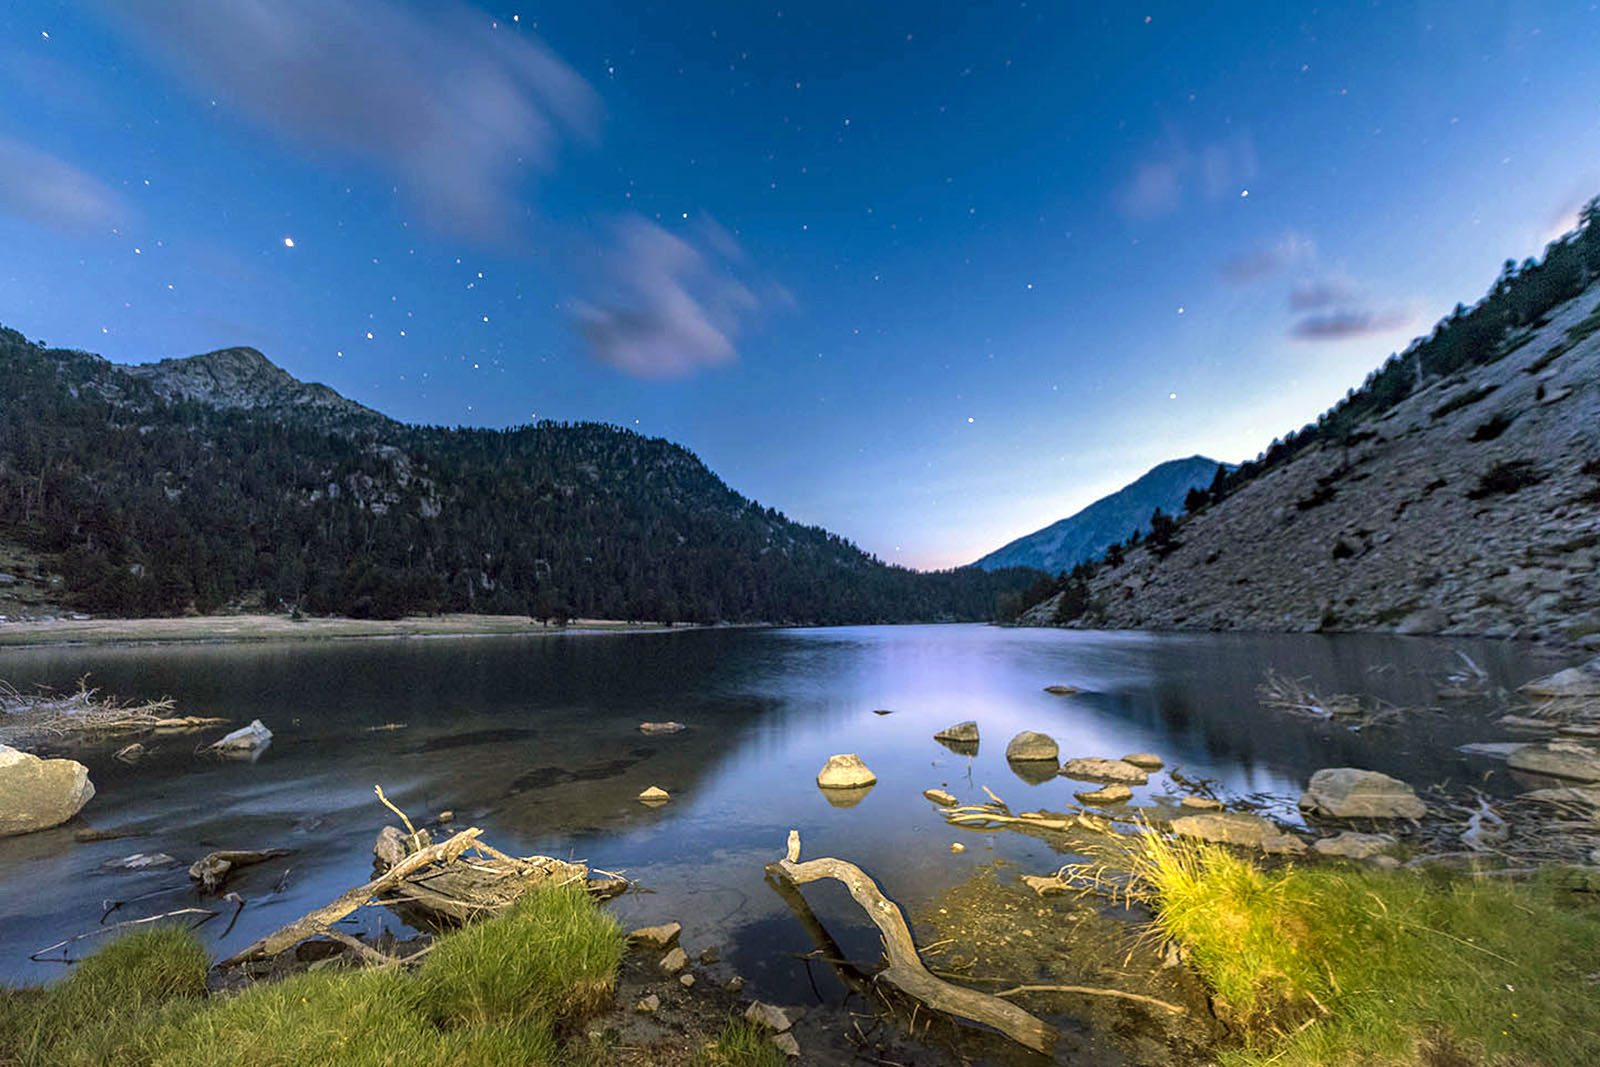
(1470, 507)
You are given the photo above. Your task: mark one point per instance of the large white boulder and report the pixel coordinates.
(36, 794)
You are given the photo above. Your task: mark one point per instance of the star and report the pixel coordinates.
(288, 242)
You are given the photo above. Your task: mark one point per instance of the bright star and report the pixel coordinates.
(288, 242)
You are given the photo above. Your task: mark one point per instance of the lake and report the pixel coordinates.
(536, 740)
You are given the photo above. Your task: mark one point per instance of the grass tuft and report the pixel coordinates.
(740, 1044)
(1335, 965)
(553, 954)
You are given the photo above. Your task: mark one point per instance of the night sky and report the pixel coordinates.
(929, 275)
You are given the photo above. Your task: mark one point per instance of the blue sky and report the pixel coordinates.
(929, 275)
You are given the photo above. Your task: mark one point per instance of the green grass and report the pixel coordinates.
(502, 991)
(741, 1044)
(1336, 965)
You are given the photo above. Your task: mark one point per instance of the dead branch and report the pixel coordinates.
(205, 913)
(906, 971)
(1093, 991)
(317, 922)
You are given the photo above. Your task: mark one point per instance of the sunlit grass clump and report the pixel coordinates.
(741, 1044)
(1335, 965)
(501, 991)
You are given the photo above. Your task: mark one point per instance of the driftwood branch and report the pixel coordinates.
(906, 971)
(317, 922)
(1092, 991)
(204, 913)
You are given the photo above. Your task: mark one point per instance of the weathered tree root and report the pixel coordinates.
(906, 971)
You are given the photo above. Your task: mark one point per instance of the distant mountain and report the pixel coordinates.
(220, 481)
(1088, 533)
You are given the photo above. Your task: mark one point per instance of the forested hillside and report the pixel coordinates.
(220, 481)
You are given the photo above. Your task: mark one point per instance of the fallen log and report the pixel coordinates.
(318, 922)
(905, 970)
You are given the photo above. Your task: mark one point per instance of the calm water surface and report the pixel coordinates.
(535, 739)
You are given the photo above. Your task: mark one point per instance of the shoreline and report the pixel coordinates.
(227, 629)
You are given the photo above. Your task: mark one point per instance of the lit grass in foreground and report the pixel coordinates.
(741, 1044)
(500, 991)
(1342, 966)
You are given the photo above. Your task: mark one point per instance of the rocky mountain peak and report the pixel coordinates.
(241, 378)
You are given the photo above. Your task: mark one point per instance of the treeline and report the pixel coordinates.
(1507, 317)
(151, 506)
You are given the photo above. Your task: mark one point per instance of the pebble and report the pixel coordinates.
(786, 1044)
(656, 936)
(674, 961)
(686, 980)
(940, 797)
(957, 846)
(734, 984)
(709, 955)
(648, 1005)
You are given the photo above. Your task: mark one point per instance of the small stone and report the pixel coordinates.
(1353, 846)
(1114, 793)
(447, 816)
(130, 753)
(648, 1005)
(734, 984)
(772, 1018)
(655, 795)
(1200, 804)
(940, 797)
(1093, 768)
(1029, 747)
(845, 771)
(1145, 761)
(247, 742)
(961, 731)
(1062, 690)
(661, 936)
(957, 847)
(786, 1044)
(686, 980)
(1282, 845)
(140, 861)
(674, 961)
(709, 955)
(661, 727)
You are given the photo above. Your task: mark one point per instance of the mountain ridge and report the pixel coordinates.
(205, 483)
(1088, 532)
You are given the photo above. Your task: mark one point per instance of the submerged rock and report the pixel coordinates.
(940, 797)
(1145, 761)
(1560, 759)
(1581, 681)
(36, 794)
(965, 732)
(1351, 793)
(140, 861)
(661, 936)
(247, 742)
(845, 771)
(1093, 768)
(1031, 747)
(1112, 793)
(1227, 828)
(1353, 846)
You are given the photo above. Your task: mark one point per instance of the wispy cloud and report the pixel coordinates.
(1344, 323)
(42, 189)
(663, 307)
(1325, 290)
(1257, 264)
(451, 106)
(1162, 181)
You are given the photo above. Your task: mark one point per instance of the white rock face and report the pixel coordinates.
(1351, 793)
(845, 771)
(36, 794)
